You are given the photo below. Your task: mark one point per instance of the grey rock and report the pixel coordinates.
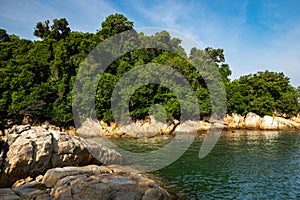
(89, 183)
(36, 150)
(19, 129)
(99, 182)
(8, 194)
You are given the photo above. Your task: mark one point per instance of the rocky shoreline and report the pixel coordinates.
(40, 163)
(151, 127)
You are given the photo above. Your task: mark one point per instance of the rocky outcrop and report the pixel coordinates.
(151, 127)
(32, 151)
(269, 123)
(89, 183)
(234, 121)
(252, 121)
(140, 128)
(255, 122)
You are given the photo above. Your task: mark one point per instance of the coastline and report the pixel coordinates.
(39, 163)
(31, 157)
(152, 127)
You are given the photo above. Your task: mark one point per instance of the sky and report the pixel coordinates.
(256, 35)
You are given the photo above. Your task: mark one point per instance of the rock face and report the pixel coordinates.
(89, 183)
(252, 121)
(151, 127)
(234, 121)
(269, 123)
(33, 151)
(140, 128)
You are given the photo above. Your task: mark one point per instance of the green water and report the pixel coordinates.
(242, 165)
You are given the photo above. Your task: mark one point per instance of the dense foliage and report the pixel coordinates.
(265, 93)
(37, 77)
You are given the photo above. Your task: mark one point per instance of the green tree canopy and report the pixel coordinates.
(265, 93)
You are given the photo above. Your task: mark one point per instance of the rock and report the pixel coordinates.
(296, 119)
(187, 127)
(27, 119)
(31, 190)
(91, 128)
(234, 121)
(39, 178)
(269, 123)
(169, 128)
(19, 129)
(2, 133)
(70, 130)
(252, 121)
(52, 176)
(141, 128)
(92, 182)
(285, 124)
(8, 194)
(102, 123)
(22, 182)
(34, 151)
(203, 126)
(3, 151)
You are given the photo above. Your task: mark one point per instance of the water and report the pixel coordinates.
(242, 165)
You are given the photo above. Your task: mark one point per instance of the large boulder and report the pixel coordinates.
(89, 183)
(33, 151)
(187, 127)
(252, 121)
(269, 123)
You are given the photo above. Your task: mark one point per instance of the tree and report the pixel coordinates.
(265, 93)
(114, 24)
(59, 29)
(42, 30)
(3, 36)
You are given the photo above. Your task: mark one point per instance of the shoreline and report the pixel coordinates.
(39, 163)
(151, 127)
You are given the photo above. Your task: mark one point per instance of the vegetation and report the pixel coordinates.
(37, 77)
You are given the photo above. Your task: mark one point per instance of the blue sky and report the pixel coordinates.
(256, 35)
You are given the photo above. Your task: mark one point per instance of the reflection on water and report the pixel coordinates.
(242, 165)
